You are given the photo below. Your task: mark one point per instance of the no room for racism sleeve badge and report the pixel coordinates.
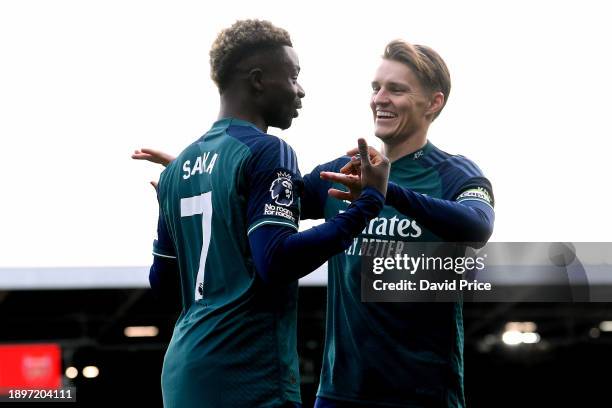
(281, 189)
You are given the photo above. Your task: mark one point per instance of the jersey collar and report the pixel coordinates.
(227, 122)
(416, 156)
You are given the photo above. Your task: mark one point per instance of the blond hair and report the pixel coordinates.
(427, 65)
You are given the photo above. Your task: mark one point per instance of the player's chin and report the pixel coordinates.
(383, 133)
(285, 123)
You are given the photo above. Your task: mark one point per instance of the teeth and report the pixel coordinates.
(385, 114)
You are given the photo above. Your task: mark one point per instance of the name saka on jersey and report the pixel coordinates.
(200, 165)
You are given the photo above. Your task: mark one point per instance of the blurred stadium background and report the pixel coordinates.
(111, 343)
(84, 83)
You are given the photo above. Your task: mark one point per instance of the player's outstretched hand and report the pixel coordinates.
(350, 181)
(369, 169)
(154, 156)
(354, 166)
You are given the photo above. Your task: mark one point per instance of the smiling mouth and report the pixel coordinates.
(385, 115)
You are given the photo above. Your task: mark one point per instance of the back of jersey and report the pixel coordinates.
(234, 342)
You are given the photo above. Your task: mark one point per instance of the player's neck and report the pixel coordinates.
(406, 147)
(236, 108)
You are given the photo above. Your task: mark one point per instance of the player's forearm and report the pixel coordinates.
(164, 272)
(313, 197)
(282, 255)
(164, 279)
(311, 206)
(315, 189)
(450, 220)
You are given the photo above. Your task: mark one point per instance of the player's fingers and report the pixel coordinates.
(375, 156)
(372, 151)
(347, 168)
(335, 177)
(353, 151)
(340, 195)
(349, 180)
(356, 162)
(363, 152)
(154, 184)
(352, 167)
(151, 151)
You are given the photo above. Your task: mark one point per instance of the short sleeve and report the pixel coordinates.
(274, 184)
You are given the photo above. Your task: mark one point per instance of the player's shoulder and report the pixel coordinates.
(258, 142)
(265, 150)
(245, 133)
(454, 164)
(461, 177)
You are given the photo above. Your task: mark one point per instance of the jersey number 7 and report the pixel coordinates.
(190, 206)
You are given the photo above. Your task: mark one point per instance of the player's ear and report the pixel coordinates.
(256, 79)
(436, 103)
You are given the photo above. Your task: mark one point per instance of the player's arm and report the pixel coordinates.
(316, 189)
(469, 217)
(152, 155)
(163, 275)
(282, 255)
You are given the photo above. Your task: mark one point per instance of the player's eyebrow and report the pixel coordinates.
(399, 85)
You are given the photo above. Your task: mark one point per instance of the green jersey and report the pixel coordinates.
(234, 343)
(381, 354)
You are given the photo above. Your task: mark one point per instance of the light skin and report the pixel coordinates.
(266, 93)
(402, 109)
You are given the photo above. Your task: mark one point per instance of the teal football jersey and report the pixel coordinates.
(380, 354)
(234, 343)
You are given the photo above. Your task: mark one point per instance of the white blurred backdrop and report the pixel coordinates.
(84, 83)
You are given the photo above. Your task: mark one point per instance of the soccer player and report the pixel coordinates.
(229, 211)
(399, 354)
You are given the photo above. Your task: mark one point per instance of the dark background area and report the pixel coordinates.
(568, 367)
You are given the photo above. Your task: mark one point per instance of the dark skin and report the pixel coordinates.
(264, 90)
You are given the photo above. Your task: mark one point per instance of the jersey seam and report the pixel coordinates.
(258, 224)
(475, 199)
(163, 255)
